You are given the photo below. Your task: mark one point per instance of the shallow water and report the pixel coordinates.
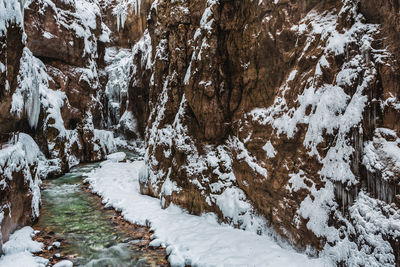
(87, 230)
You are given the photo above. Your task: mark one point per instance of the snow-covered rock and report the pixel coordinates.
(272, 108)
(63, 263)
(18, 250)
(19, 184)
(117, 157)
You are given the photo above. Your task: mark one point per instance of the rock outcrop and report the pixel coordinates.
(68, 39)
(19, 185)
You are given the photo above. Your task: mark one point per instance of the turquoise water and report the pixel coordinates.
(86, 228)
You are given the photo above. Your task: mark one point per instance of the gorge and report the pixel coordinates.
(275, 122)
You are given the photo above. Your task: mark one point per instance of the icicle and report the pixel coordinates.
(123, 9)
(118, 21)
(32, 106)
(123, 19)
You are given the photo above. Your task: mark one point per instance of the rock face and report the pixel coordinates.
(11, 46)
(19, 185)
(127, 20)
(69, 39)
(66, 30)
(19, 182)
(282, 114)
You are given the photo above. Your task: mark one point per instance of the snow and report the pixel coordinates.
(32, 79)
(21, 157)
(374, 219)
(189, 239)
(117, 157)
(269, 148)
(18, 250)
(207, 17)
(10, 13)
(21, 241)
(48, 35)
(63, 263)
(128, 122)
(382, 155)
(232, 203)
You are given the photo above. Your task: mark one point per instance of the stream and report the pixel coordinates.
(87, 229)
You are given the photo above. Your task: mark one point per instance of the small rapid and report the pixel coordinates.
(89, 234)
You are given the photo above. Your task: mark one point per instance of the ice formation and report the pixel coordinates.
(32, 80)
(124, 8)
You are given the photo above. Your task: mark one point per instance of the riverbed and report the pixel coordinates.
(89, 233)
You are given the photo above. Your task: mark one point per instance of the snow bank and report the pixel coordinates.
(22, 241)
(18, 250)
(189, 239)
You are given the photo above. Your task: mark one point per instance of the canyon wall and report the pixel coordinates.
(20, 180)
(282, 115)
(52, 87)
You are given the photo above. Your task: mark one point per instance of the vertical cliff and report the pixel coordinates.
(11, 45)
(280, 114)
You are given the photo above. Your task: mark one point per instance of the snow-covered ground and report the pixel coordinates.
(189, 239)
(19, 248)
